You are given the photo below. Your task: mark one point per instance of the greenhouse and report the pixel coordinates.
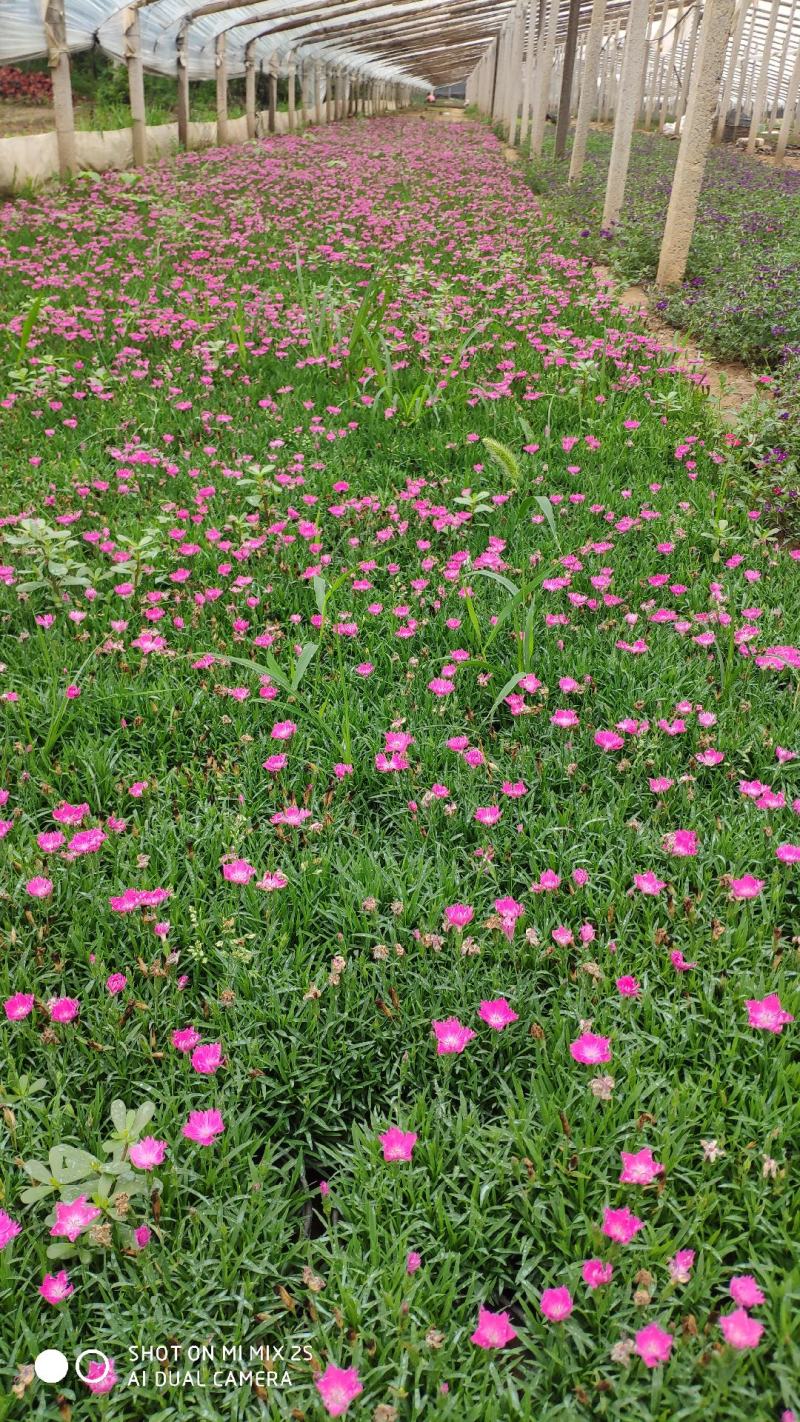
(400, 693)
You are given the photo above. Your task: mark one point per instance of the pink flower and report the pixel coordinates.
(494, 1330)
(589, 1049)
(621, 1225)
(19, 1006)
(63, 1009)
(710, 757)
(509, 910)
(488, 814)
(207, 1059)
(274, 763)
(649, 884)
(640, 1168)
(238, 871)
(116, 983)
(459, 915)
(100, 1377)
(746, 888)
(451, 1036)
(681, 843)
(283, 731)
(497, 1013)
(565, 720)
(596, 1272)
(788, 853)
(74, 1217)
(653, 1344)
(337, 1387)
(740, 1330)
(185, 1038)
(270, 882)
(55, 1288)
(9, 1229)
(39, 887)
(767, 1013)
(397, 1144)
(608, 740)
(147, 1153)
(413, 1261)
(556, 1304)
(203, 1127)
(86, 841)
(744, 1290)
(50, 841)
(660, 784)
(680, 1266)
(70, 814)
(142, 1235)
(628, 987)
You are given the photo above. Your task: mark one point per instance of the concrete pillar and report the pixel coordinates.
(527, 77)
(183, 83)
(627, 109)
(221, 65)
(133, 60)
(695, 142)
(317, 92)
(250, 89)
(544, 66)
(655, 79)
(55, 29)
(570, 46)
(328, 94)
(773, 104)
(588, 90)
(745, 66)
(788, 111)
(291, 96)
(272, 93)
(687, 68)
(727, 88)
(763, 76)
(515, 72)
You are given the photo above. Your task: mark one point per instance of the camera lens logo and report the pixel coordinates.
(52, 1365)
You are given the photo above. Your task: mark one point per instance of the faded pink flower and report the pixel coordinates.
(680, 1266)
(649, 884)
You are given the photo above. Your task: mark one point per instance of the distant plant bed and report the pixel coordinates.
(741, 296)
(19, 87)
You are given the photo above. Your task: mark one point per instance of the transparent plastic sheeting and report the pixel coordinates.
(101, 21)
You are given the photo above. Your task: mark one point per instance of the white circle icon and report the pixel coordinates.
(93, 1353)
(51, 1365)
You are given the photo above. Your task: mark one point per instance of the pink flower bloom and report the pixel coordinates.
(680, 1266)
(488, 814)
(681, 843)
(86, 841)
(71, 1219)
(660, 784)
(496, 1013)
(746, 888)
(413, 1261)
(238, 871)
(621, 1225)
(459, 915)
(628, 987)
(142, 1235)
(63, 1009)
(147, 1153)
(116, 983)
(207, 1059)
(608, 740)
(337, 1387)
(563, 936)
(203, 1127)
(679, 963)
(740, 1330)
(649, 884)
(767, 1013)
(451, 1036)
(556, 1304)
(55, 1288)
(9, 1229)
(101, 1376)
(70, 814)
(788, 853)
(274, 763)
(397, 1144)
(744, 1290)
(271, 882)
(19, 1006)
(283, 731)
(185, 1038)
(596, 1272)
(589, 1049)
(710, 757)
(565, 720)
(509, 910)
(494, 1330)
(640, 1168)
(50, 841)
(653, 1344)
(39, 887)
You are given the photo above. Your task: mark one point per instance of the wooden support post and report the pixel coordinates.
(695, 142)
(183, 84)
(55, 29)
(627, 109)
(133, 59)
(588, 91)
(250, 89)
(221, 63)
(763, 76)
(570, 46)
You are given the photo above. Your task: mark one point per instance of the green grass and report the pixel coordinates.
(275, 288)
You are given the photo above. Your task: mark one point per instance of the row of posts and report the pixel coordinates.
(328, 92)
(684, 62)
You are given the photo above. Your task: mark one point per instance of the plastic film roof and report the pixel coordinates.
(420, 42)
